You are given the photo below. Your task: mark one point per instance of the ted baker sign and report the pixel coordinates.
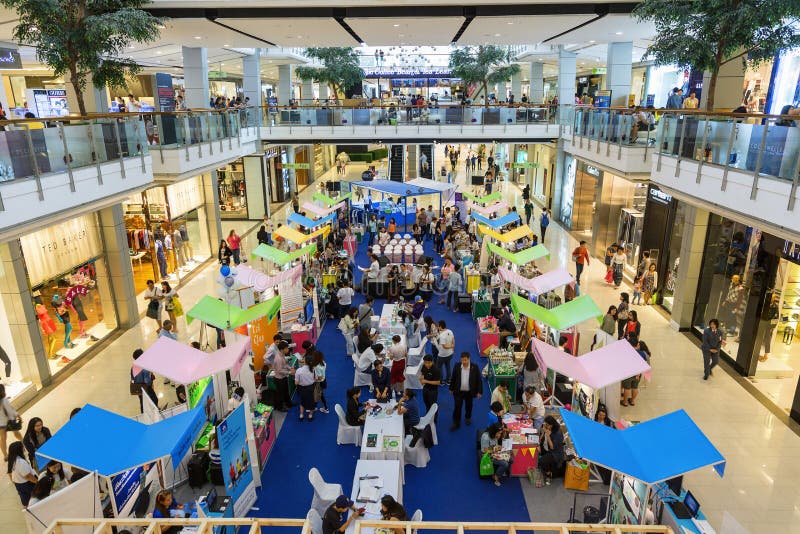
(57, 249)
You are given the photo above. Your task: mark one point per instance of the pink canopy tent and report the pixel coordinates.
(321, 212)
(597, 369)
(249, 277)
(488, 210)
(184, 364)
(540, 284)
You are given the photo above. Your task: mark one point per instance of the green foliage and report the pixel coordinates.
(81, 38)
(340, 68)
(706, 34)
(485, 65)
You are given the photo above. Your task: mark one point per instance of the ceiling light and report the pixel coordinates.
(158, 52)
(197, 37)
(396, 25)
(401, 35)
(226, 46)
(497, 35)
(619, 33)
(299, 36)
(131, 46)
(592, 41)
(510, 23)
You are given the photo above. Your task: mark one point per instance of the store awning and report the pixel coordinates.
(321, 212)
(280, 257)
(98, 440)
(427, 183)
(540, 284)
(400, 189)
(561, 317)
(331, 201)
(217, 312)
(488, 210)
(597, 369)
(249, 277)
(184, 364)
(499, 222)
(298, 238)
(302, 220)
(497, 195)
(653, 451)
(508, 237)
(523, 257)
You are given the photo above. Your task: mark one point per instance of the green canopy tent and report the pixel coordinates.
(280, 257)
(523, 257)
(219, 314)
(497, 195)
(331, 201)
(561, 317)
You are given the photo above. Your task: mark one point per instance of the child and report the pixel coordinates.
(637, 291)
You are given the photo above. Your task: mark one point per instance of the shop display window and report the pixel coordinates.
(12, 375)
(232, 191)
(673, 257)
(75, 310)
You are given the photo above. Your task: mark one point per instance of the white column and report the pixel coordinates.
(195, 76)
(618, 72)
(120, 270)
(251, 84)
(728, 94)
(324, 92)
(285, 73)
(211, 205)
(292, 175)
(516, 86)
(567, 69)
(537, 83)
(307, 92)
(693, 242)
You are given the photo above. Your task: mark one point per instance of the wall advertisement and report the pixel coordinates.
(235, 458)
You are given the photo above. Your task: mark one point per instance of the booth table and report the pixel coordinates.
(307, 333)
(487, 339)
(385, 428)
(481, 308)
(669, 518)
(525, 450)
(386, 324)
(503, 373)
(390, 474)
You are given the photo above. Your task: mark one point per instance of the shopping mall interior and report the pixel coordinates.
(348, 258)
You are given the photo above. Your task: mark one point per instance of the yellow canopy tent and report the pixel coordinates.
(508, 237)
(297, 237)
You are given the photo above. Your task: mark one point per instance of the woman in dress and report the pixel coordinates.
(168, 295)
(618, 265)
(649, 283)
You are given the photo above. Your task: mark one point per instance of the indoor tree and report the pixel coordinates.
(339, 68)
(707, 34)
(484, 65)
(79, 39)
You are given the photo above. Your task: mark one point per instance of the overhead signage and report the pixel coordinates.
(599, 70)
(594, 171)
(54, 250)
(657, 195)
(9, 59)
(165, 94)
(525, 165)
(272, 152)
(602, 99)
(299, 166)
(388, 72)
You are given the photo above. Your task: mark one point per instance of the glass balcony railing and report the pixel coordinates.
(764, 145)
(393, 115)
(622, 126)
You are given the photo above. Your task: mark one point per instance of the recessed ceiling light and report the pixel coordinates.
(299, 36)
(158, 52)
(401, 35)
(396, 25)
(619, 33)
(131, 46)
(197, 37)
(592, 41)
(510, 23)
(497, 35)
(226, 46)
(222, 64)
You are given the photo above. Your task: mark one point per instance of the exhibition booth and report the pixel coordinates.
(401, 211)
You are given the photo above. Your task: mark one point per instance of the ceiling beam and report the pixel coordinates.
(600, 14)
(213, 20)
(469, 16)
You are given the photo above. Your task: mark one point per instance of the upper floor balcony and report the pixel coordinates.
(399, 123)
(53, 165)
(735, 162)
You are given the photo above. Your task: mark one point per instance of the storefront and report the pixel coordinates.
(662, 236)
(750, 282)
(661, 81)
(71, 289)
(578, 205)
(756, 86)
(231, 186)
(619, 216)
(535, 164)
(638, 85)
(167, 229)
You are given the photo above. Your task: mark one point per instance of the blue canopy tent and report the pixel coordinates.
(418, 187)
(499, 222)
(102, 441)
(302, 220)
(651, 452)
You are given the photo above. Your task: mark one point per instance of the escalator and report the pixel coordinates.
(397, 160)
(426, 167)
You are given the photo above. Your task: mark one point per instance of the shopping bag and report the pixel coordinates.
(610, 276)
(486, 466)
(654, 298)
(177, 307)
(576, 476)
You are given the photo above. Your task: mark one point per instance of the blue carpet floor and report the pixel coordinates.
(448, 489)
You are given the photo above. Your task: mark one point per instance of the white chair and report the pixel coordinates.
(430, 419)
(324, 493)
(417, 515)
(412, 242)
(414, 356)
(347, 434)
(359, 378)
(418, 455)
(406, 236)
(315, 521)
(397, 236)
(402, 242)
(376, 249)
(412, 377)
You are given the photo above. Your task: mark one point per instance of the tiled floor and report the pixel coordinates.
(759, 490)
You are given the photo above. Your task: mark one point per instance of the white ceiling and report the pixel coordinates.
(518, 30)
(403, 31)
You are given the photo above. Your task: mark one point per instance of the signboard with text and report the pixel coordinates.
(9, 59)
(235, 458)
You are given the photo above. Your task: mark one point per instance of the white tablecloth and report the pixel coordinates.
(383, 425)
(385, 325)
(390, 472)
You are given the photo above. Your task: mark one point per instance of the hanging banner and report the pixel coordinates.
(235, 458)
(54, 250)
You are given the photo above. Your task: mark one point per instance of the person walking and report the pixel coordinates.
(345, 296)
(618, 262)
(466, 386)
(622, 314)
(10, 421)
(431, 379)
(234, 243)
(581, 258)
(529, 213)
(713, 341)
(321, 377)
(154, 305)
(649, 283)
(262, 236)
(445, 345)
(305, 381)
(454, 283)
(144, 379)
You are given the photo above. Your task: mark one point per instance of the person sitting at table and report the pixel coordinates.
(335, 520)
(366, 337)
(391, 510)
(167, 507)
(496, 413)
(500, 394)
(409, 409)
(355, 415)
(492, 443)
(381, 381)
(505, 325)
(534, 405)
(418, 308)
(602, 416)
(368, 357)
(551, 443)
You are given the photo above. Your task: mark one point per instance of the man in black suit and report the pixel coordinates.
(466, 384)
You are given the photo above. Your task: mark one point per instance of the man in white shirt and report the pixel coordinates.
(272, 350)
(370, 273)
(534, 404)
(369, 356)
(345, 296)
(445, 343)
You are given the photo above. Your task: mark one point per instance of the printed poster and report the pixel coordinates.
(236, 464)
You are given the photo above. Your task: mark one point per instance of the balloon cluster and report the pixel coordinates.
(228, 283)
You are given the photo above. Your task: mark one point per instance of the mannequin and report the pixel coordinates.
(48, 327)
(62, 313)
(72, 300)
(188, 253)
(162, 258)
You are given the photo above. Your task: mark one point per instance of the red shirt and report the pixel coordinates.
(233, 242)
(581, 255)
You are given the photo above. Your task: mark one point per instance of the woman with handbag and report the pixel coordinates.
(10, 421)
(168, 296)
(622, 314)
(153, 297)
